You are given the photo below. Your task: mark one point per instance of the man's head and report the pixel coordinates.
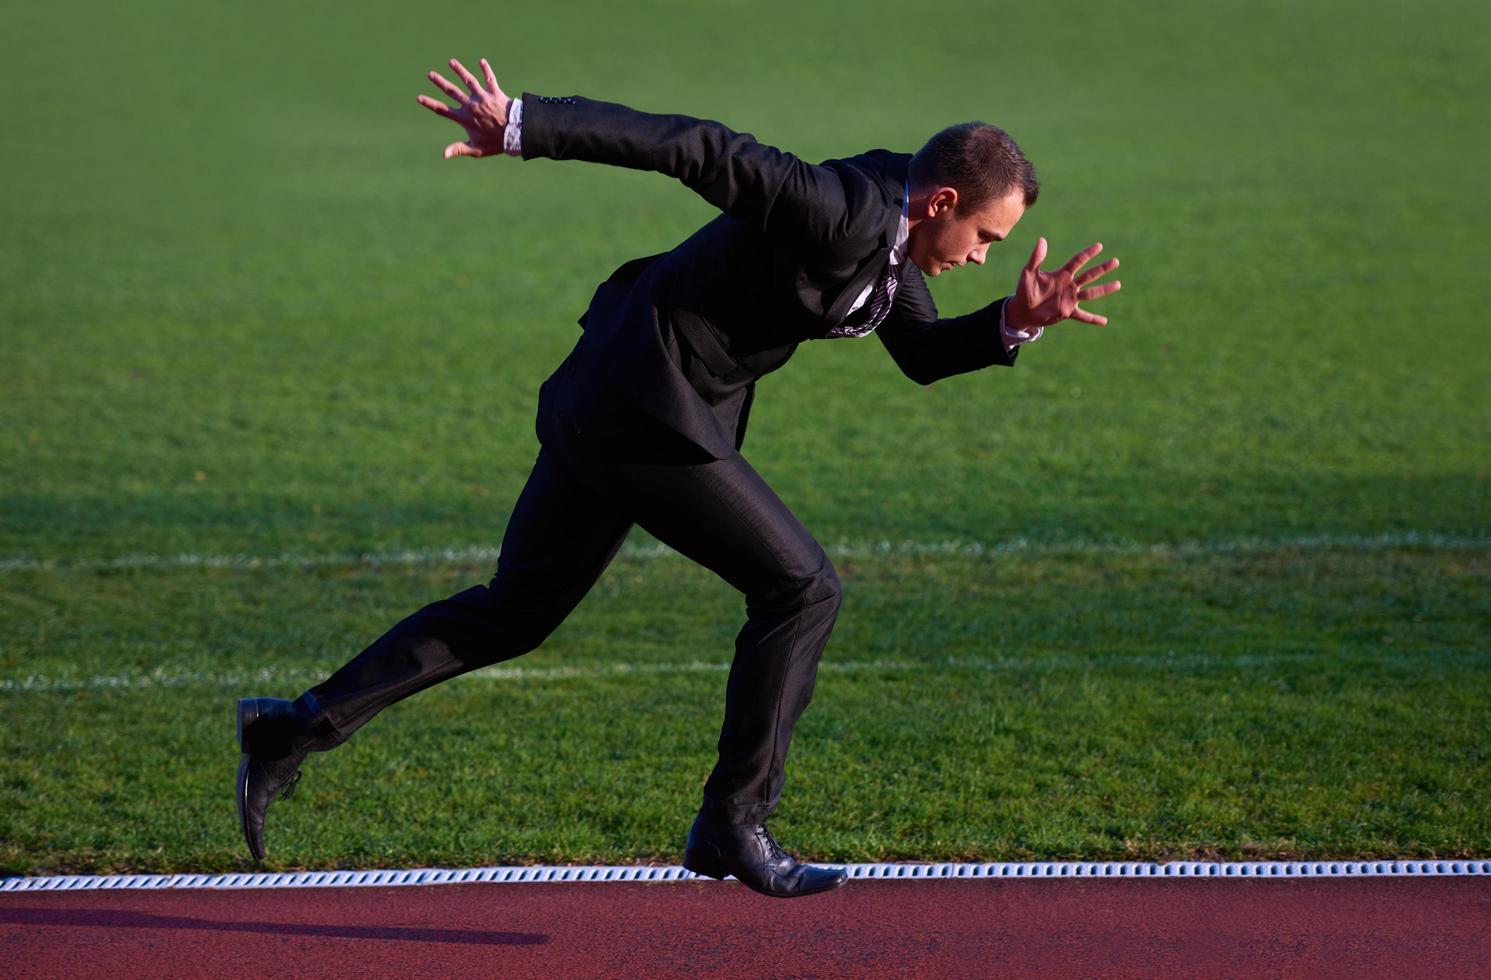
(969, 186)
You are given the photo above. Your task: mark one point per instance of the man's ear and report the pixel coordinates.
(943, 200)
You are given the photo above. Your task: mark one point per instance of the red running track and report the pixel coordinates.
(1362, 927)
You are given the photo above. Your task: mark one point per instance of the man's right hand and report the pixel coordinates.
(482, 113)
(1043, 298)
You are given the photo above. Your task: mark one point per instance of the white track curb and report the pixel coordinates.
(602, 873)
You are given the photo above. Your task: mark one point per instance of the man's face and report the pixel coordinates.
(943, 238)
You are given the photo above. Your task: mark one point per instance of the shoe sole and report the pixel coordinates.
(710, 864)
(248, 713)
(838, 883)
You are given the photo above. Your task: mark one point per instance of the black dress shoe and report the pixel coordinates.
(748, 852)
(270, 766)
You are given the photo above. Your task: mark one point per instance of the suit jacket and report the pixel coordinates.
(674, 343)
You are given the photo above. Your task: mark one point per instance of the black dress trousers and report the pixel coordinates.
(578, 506)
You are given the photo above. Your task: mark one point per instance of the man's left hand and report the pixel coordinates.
(1044, 298)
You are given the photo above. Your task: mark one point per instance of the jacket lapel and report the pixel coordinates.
(889, 171)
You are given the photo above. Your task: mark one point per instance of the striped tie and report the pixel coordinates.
(875, 309)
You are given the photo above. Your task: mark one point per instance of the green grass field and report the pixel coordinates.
(1214, 581)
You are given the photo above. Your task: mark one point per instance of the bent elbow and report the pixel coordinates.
(920, 372)
(915, 369)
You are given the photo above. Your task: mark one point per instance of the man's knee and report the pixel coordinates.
(826, 584)
(520, 610)
(818, 588)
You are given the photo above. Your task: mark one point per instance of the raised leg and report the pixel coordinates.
(559, 539)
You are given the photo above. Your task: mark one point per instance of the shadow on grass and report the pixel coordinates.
(111, 919)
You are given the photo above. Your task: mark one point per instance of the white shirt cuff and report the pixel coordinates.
(512, 134)
(1014, 338)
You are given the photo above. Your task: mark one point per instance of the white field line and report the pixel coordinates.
(478, 554)
(285, 678)
(570, 874)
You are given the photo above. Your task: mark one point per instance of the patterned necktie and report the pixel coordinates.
(873, 312)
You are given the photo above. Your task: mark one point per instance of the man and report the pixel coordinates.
(643, 422)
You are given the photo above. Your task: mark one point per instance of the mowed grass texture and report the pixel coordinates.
(1233, 597)
(1287, 704)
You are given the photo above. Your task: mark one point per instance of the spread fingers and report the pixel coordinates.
(1096, 272)
(1093, 292)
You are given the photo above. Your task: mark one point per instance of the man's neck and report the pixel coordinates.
(916, 205)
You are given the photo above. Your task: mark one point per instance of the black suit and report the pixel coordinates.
(683, 336)
(643, 422)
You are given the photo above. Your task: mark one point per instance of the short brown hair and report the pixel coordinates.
(978, 160)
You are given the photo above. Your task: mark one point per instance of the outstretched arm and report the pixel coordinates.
(764, 186)
(927, 348)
